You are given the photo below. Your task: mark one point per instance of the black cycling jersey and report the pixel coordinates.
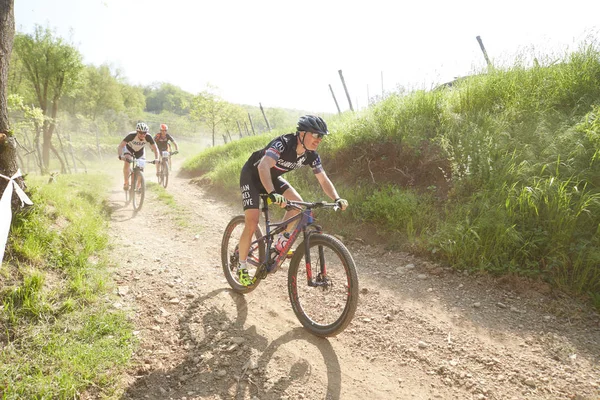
(136, 146)
(283, 150)
(163, 143)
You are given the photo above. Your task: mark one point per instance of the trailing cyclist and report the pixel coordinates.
(262, 174)
(135, 143)
(162, 140)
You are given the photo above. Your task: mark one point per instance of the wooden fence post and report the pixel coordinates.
(239, 128)
(346, 90)
(265, 117)
(334, 99)
(251, 123)
(487, 60)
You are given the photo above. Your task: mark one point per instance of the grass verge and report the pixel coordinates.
(61, 336)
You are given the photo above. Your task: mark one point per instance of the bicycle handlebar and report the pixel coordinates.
(319, 204)
(300, 205)
(122, 158)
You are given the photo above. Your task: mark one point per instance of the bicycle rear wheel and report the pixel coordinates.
(138, 190)
(230, 256)
(327, 308)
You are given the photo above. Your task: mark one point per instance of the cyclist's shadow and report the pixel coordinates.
(119, 209)
(210, 356)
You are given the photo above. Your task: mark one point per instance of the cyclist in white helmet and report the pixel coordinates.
(135, 143)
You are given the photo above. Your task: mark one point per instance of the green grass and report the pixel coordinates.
(498, 173)
(59, 337)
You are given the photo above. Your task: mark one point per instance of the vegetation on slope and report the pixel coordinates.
(497, 173)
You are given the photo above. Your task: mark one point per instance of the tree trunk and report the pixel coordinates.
(8, 144)
(57, 154)
(38, 150)
(7, 33)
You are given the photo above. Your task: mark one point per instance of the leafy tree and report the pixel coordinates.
(100, 91)
(166, 97)
(278, 118)
(133, 99)
(234, 114)
(53, 68)
(8, 154)
(209, 108)
(26, 119)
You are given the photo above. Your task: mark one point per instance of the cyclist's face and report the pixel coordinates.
(163, 133)
(312, 141)
(141, 134)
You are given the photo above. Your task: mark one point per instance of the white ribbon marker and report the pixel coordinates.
(5, 210)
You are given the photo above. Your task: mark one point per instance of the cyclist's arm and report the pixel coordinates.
(152, 143)
(327, 185)
(172, 139)
(264, 172)
(120, 148)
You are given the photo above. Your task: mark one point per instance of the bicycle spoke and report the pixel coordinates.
(327, 305)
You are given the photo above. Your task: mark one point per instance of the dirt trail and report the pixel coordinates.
(421, 331)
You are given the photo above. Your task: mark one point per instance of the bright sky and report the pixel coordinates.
(285, 54)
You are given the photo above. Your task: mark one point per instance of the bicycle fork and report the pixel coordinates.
(321, 279)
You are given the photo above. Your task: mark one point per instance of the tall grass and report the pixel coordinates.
(59, 335)
(518, 147)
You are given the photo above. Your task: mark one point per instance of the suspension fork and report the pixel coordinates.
(322, 271)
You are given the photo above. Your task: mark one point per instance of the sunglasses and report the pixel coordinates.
(316, 135)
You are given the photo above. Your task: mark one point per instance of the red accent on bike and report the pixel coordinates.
(308, 272)
(294, 287)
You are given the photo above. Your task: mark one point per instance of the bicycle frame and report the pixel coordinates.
(133, 167)
(306, 219)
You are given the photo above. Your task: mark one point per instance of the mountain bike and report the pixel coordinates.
(165, 166)
(325, 298)
(137, 184)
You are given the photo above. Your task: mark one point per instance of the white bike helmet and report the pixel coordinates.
(141, 127)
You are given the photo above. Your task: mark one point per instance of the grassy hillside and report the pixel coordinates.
(498, 173)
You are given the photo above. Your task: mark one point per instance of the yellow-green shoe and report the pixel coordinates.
(243, 277)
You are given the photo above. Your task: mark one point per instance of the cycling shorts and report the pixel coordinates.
(251, 186)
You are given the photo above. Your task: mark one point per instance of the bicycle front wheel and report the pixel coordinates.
(327, 304)
(138, 190)
(230, 254)
(165, 174)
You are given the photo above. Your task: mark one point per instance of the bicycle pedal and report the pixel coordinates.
(289, 254)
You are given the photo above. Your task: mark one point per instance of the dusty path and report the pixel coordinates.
(421, 331)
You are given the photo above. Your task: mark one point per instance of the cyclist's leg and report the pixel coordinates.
(159, 162)
(126, 171)
(251, 222)
(250, 190)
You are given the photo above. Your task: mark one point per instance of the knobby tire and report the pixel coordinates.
(324, 311)
(230, 257)
(164, 170)
(138, 196)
